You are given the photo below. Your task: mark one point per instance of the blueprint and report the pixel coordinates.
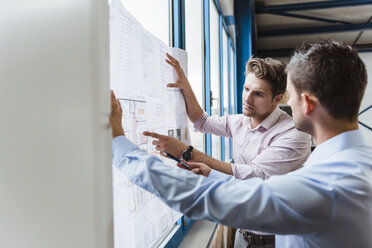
(138, 76)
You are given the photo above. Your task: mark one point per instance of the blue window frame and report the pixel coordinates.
(225, 90)
(215, 69)
(207, 68)
(222, 142)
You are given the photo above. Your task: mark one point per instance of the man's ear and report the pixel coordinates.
(309, 103)
(278, 98)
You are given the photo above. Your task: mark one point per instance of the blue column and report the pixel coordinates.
(221, 85)
(179, 23)
(229, 85)
(245, 41)
(207, 70)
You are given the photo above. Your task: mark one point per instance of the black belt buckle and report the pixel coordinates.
(247, 236)
(255, 239)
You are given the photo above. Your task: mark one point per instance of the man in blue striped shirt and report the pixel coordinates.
(327, 203)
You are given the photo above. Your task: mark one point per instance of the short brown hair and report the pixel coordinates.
(270, 70)
(334, 73)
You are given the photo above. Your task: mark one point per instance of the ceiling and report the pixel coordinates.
(278, 34)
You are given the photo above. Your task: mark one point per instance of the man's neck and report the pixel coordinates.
(323, 132)
(255, 121)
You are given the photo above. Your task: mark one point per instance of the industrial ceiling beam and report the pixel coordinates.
(310, 6)
(307, 17)
(315, 30)
(287, 52)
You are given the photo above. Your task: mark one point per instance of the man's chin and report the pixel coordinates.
(248, 113)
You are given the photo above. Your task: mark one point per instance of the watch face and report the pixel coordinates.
(186, 155)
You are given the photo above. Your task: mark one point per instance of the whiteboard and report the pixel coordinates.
(56, 175)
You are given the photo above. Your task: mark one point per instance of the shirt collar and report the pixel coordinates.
(336, 144)
(271, 119)
(268, 122)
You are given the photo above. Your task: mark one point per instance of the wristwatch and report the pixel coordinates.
(187, 154)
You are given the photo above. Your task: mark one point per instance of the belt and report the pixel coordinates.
(255, 239)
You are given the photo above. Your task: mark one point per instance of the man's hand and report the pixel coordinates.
(115, 116)
(198, 168)
(194, 111)
(168, 144)
(182, 82)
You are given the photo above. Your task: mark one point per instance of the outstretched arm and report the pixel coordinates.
(194, 111)
(281, 204)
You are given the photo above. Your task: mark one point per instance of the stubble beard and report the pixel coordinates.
(249, 113)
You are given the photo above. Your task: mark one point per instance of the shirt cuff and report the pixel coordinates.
(234, 170)
(217, 175)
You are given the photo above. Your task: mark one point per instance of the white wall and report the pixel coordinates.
(366, 117)
(55, 177)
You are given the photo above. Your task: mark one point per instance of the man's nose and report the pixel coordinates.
(248, 97)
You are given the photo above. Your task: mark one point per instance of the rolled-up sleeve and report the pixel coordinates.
(213, 124)
(286, 153)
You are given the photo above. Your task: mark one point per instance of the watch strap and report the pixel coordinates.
(190, 148)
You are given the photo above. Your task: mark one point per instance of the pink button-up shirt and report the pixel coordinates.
(274, 147)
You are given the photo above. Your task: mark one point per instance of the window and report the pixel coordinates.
(232, 80)
(153, 15)
(226, 99)
(215, 73)
(232, 88)
(194, 47)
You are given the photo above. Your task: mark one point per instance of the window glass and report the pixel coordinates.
(232, 80)
(226, 99)
(215, 73)
(194, 47)
(153, 15)
(232, 88)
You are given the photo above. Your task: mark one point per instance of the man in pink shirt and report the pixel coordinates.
(265, 140)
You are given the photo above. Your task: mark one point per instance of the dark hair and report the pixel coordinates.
(270, 70)
(334, 73)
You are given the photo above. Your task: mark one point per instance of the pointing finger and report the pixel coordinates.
(154, 135)
(151, 134)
